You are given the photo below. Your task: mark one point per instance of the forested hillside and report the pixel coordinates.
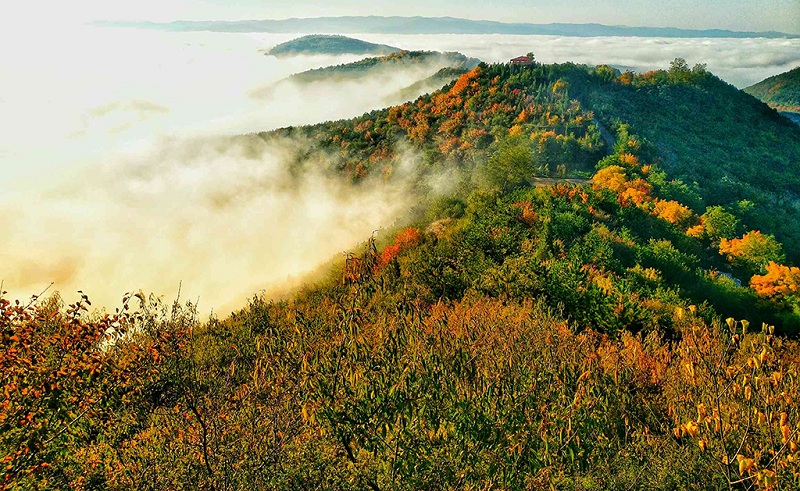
(730, 149)
(781, 92)
(394, 61)
(726, 148)
(591, 293)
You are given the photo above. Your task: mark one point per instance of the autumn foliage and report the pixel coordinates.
(779, 281)
(405, 239)
(674, 212)
(633, 189)
(752, 251)
(65, 377)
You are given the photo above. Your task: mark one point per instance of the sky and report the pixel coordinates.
(749, 15)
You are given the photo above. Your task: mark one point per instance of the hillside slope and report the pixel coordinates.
(726, 148)
(579, 335)
(318, 44)
(390, 79)
(781, 92)
(729, 148)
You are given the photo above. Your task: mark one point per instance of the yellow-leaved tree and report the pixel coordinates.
(752, 252)
(780, 282)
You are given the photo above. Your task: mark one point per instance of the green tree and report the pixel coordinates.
(679, 70)
(719, 224)
(511, 165)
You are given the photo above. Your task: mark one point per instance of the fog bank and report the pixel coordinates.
(741, 62)
(115, 177)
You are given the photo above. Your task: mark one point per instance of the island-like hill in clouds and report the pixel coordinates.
(575, 301)
(397, 61)
(402, 75)
(320, 44)
(781, 92)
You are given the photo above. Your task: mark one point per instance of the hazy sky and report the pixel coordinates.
(757, 15)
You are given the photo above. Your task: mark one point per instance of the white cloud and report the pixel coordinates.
(740, 62)
(113, 180)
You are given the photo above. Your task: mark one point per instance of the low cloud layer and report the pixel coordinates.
(226, 219)
(129, 183)
(741, 62)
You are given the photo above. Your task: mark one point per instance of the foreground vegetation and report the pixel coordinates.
(365, 387)
(634, 331)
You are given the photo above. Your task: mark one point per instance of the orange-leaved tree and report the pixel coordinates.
(779, 282)
(406, 238)
(68, 380)
(752, 252)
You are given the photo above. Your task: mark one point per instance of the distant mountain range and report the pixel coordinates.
(437, 25)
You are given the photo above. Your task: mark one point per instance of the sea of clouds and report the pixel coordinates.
(115, 178)
(741, 62)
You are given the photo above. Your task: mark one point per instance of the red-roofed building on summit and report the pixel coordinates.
(522, 60)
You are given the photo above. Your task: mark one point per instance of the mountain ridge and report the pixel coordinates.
(725, 155)
(449, 59)
(442, 67)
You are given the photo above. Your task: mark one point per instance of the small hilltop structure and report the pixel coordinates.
(522, 60)
(526, 60)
